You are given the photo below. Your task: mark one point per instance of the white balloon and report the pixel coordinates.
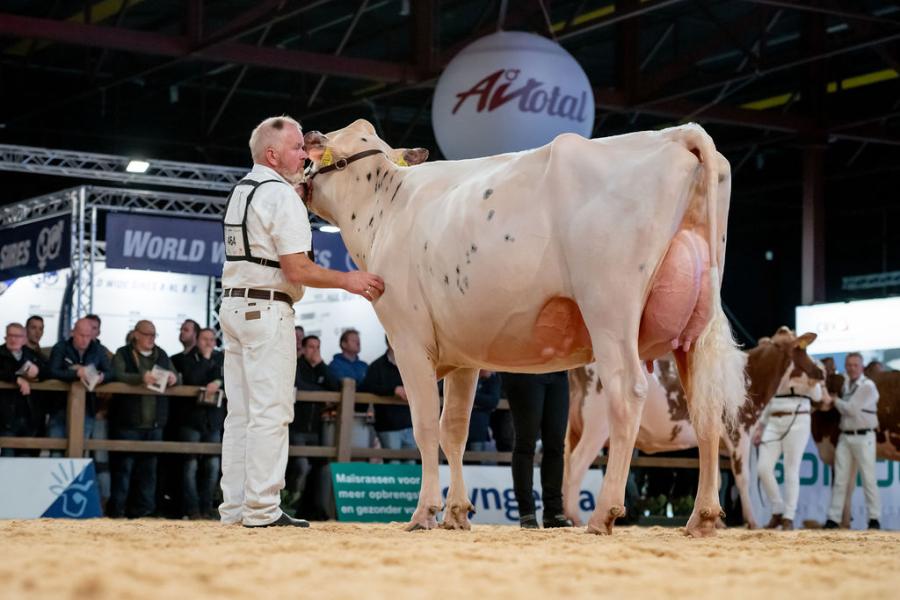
(510, 91)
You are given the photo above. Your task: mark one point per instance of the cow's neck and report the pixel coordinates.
(766, 366)
(372, 201)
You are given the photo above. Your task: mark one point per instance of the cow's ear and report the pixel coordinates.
(763, 340)
(363, 125)
(415, 156)
(805, 340)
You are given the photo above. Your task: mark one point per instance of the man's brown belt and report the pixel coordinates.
(789, 414)
(257, 294)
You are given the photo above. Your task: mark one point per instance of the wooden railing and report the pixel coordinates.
(75, 445)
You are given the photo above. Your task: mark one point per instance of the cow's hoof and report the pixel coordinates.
(457, 516)
(603, 524)
(703, 522)
(424, 519)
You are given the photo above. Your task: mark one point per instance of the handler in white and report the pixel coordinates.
(858, 406)
(267, 235)
(784, 429)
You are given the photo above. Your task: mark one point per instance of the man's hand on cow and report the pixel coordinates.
(367, 285)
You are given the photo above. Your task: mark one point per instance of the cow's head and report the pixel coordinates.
(794, 347)
(347, 157)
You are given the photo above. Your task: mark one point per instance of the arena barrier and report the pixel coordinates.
(343, 449)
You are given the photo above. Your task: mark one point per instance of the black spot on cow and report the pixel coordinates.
(426, 247)
(372, 220)
(466, 281)
(457, 269)
(368, 177)
(415, 307)
(641, 267)
(364, 139)
(357, 177)
(396, 190)
(723, 239)
(377, 171)
(353, 217)
(509, 238)
(487, 193)
(490, 214)
(473, 248)
(446, 280)
(380, 213)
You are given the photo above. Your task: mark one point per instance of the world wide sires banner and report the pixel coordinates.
(35, 247)
(194, 246)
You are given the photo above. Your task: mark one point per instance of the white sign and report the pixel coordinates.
(510, 91)
(491, 492)
(328, 312)
(48, 487)
(39, 294)
(816, 479)
(848, 326)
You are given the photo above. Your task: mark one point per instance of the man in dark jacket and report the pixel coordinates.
(393, 423)
(19, 365)
(70, 360)
(487, 397)
(134, 417)
(200, 420)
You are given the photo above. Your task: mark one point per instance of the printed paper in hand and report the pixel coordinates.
(91, 377)
(23, 370)
(160, 379)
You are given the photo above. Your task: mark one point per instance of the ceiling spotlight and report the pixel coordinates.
(329, 229)
(137, 166)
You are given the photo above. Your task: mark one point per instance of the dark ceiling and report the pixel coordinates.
(773, 81)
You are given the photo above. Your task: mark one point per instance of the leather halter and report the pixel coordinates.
(341, 163)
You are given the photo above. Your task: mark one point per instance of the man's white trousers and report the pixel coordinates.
(260, 365)
(783, 435)
(859, 449)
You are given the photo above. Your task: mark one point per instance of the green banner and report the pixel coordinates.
(375, 493)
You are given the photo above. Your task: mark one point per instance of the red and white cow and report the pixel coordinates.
(537, 261)
(665, 424)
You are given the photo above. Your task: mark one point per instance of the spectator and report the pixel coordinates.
(487, 397)
(858, 406)
(188, 334)
(346, 363)
(68, 362)
(15, 412)
(539, 404)
(305, 430)
(299, 334)
(393, 423)
(200, 420)
(137, 417)
(34, 329)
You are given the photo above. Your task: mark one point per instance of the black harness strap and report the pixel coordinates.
(266, 262)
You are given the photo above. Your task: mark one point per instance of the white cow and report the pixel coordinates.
(540, 261)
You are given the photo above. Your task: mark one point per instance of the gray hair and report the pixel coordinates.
(266, 135)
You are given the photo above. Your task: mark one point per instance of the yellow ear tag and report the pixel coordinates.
(400, 162)
(802, 344)
(327, 158)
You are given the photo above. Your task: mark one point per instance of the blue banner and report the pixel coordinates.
(331, 253)
(195, 246)
(36, 248)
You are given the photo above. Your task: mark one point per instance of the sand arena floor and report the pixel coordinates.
(176, 559)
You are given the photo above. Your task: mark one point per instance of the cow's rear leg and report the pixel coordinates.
(739, 452)
(707, 510)
(621, 367)
(594, 435)
(459, 394)
(420, 384)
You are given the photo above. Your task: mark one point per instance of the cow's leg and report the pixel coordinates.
(459, 394)
(621, 367)
(740, 454)
(594, 435)
(420, 384)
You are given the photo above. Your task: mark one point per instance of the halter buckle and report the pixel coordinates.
(340, 164)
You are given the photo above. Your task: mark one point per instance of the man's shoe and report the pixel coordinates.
(787, 524)
(283, 521)
(874, 524)
(829, 524)
(557, 521)
(775, 521)
(528, 522)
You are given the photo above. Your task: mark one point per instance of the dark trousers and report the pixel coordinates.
(539, 405)
(138, 468)
(199, 491)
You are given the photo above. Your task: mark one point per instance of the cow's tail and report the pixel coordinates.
(715, 364)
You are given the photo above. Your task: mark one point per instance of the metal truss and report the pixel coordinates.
(40, 207)
(874, 280)
(111, 167)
